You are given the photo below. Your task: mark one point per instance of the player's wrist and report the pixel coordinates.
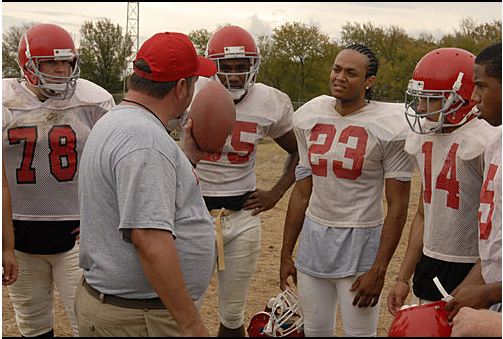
(286, 254)
(398, 279)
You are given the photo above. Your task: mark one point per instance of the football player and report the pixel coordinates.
(350, 150)
(51, 113)
(228, 179)
(482, 287)
(447, 146)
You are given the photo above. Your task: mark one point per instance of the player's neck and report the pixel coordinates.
(37, 91)
(350, 106)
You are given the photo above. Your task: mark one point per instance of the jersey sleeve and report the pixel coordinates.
(104, 107)
(302, 147)
(396, 162)
(145, 200)
(6, 117)
(284, 124)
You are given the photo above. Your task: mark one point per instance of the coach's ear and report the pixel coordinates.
(182, 89)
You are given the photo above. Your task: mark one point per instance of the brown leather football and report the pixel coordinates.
(213, 116)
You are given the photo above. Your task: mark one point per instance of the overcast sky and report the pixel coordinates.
(258, 17)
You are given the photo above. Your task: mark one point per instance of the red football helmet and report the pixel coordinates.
(282, 317)
(233, 42)
(428, 320)
(446, 74)
(47, 42)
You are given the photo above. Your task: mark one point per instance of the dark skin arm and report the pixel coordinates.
(474, 292)
(299, 200)
(400, 291)
(368, 286)
(263, 200)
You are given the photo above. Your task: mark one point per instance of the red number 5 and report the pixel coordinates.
(487, 197)
(237, 144)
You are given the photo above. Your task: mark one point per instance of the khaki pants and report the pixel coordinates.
(97, 319)
(32, 293)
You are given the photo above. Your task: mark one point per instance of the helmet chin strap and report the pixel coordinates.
(237, 94)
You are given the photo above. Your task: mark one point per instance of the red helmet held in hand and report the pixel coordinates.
(428, 320)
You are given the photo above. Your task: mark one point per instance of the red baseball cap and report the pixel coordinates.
(171, 56)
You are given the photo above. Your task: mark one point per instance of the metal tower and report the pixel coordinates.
(132, 29)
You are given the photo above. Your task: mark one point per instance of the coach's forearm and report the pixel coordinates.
(160, 263)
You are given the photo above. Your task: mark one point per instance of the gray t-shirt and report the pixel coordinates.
(133, 175)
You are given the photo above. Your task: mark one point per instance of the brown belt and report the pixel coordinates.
(152, 303)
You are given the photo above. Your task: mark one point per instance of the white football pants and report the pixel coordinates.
(32, 293)
(241, 238)
(318, 299)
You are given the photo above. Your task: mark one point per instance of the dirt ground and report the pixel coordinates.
(265, 282)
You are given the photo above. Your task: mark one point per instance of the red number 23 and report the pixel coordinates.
(356, 154)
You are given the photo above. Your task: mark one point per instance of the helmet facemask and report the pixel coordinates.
(285, 315)
(237, 52)
(451, 102)
(52, 86)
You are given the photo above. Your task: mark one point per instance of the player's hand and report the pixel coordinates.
(9, 265)
(368, 287)
(476, 323)
(189, 145)
(260, 201)
(397, 297)
(474, 296)
(287, 269)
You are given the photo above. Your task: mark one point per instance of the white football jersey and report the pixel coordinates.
(264, 112)
(42, 145)
(350, 157)
(451, 168)
(490, 213)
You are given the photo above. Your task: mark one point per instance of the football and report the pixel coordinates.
(213, 115)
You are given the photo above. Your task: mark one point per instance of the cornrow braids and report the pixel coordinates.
(373, 65)
(490, 58)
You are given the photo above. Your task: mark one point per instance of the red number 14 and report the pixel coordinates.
(444, 181)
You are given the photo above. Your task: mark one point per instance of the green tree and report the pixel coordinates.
(103, 52)
(396, 52)
(10, 43)
(472, 36)
(200, 38)
(294, 59)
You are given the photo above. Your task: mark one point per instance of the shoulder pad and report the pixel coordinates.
(473, 137)
(319, 109)
(90, 93)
